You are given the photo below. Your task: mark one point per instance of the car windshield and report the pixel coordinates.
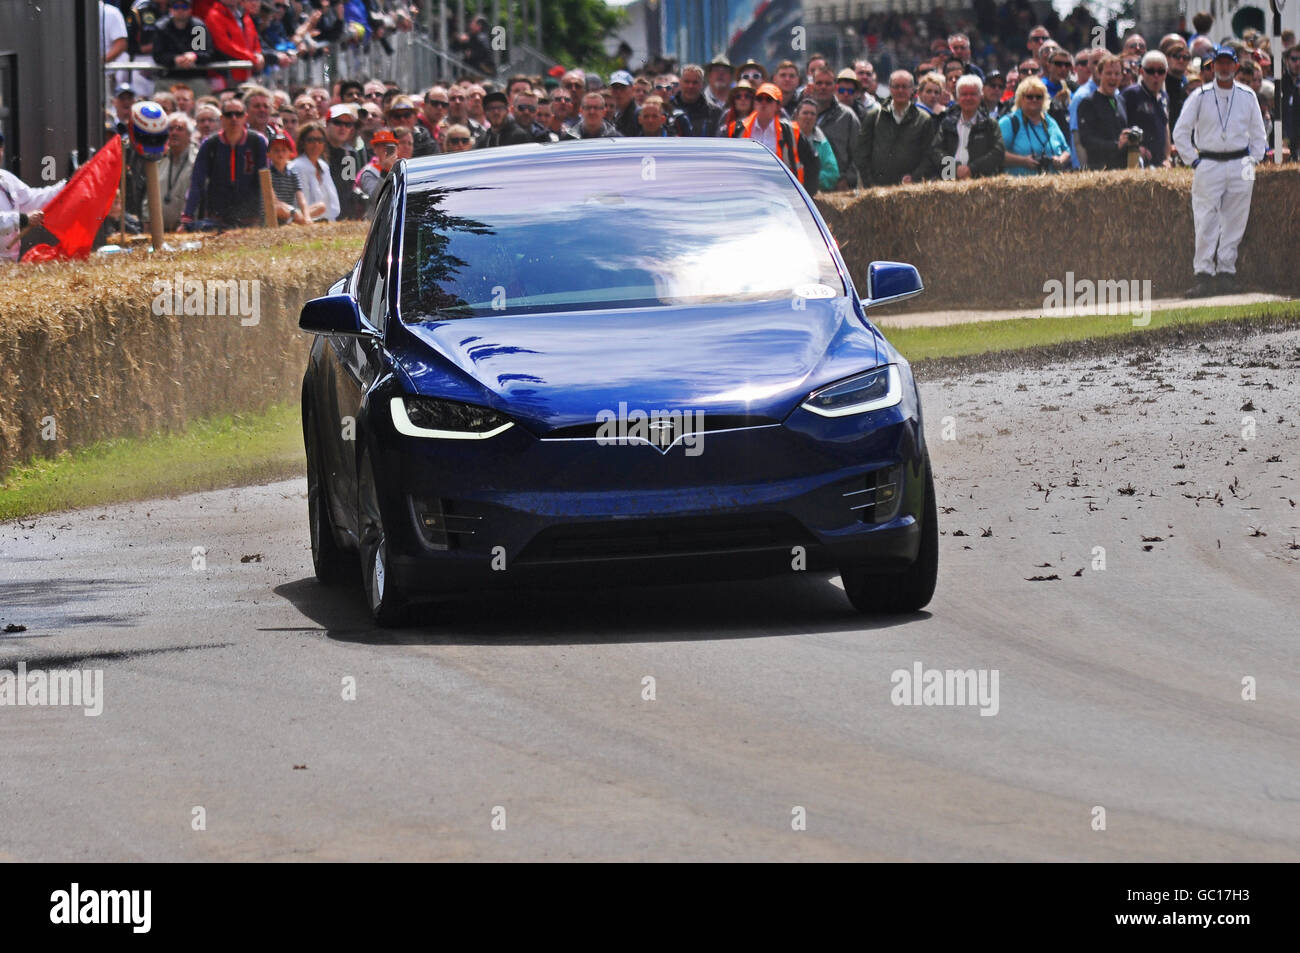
(545, 235)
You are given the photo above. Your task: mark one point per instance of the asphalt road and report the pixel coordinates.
(1119, 688)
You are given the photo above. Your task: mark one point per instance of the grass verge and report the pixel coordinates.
(218, 452)
(252, 448)
(1017, 334)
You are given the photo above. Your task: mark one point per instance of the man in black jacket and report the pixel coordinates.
(968, 143)
(1102, 119)
(345, 160)
(502, 129)
(620, 88)
(182, 47)
(691, 100)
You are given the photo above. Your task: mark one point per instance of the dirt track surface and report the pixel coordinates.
(1119, 687)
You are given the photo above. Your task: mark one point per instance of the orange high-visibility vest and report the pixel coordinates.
(787, 140)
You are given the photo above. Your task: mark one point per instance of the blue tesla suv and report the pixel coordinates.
(610, 361)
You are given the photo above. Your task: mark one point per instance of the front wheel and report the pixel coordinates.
(909, 590)
(332, 565)
(383, 597)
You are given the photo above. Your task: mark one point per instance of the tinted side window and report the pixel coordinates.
(372, 289)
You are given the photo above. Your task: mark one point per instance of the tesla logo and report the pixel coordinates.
(662, 429)
(662, 432)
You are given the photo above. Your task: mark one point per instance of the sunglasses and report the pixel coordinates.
(401, 113)
(561, 99)
(457, 99)
(458, 140)
(1065, 63)
(310, 139)
(1154, 70)
(766, 99)
(573, 84)
(751, 77)
(744, 95)
(523, 108)
(846, 90)
(1184, 55)
(343, 122)
(374, 95)
(1030, 71)
(233, 115)
(440, 103)
(1032, 96)
(1037, 39)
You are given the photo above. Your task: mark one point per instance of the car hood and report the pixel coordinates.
(553, 371)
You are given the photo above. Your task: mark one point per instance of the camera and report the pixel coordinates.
(1134, 136)
(1044, 163)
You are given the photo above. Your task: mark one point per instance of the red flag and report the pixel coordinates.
(75, 214)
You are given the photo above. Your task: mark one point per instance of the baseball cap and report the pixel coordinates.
(281, 136)
(556, 71)
(621, 78)
(123, 90)
(383, 137)
(1220, 51)
(769, 89)
(495, 97)
(343, 109)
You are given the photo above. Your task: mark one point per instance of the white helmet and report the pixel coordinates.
(149, 129)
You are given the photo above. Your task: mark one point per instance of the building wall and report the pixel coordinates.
(52, 107)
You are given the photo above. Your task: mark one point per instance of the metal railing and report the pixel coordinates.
(415, 64)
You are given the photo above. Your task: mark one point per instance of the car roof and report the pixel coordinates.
(425, 170)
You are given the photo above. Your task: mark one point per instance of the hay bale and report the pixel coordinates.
(84, 343)
(994, 243)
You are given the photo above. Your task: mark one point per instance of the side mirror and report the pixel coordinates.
(333, 314)
(889, 281)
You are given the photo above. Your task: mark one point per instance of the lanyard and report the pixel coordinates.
(1224, 120)
(171, 179)
(1033, 137)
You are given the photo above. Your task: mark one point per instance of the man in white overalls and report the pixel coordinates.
(1220, 134)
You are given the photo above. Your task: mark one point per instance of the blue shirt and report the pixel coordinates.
(1083, 92)
(1045, 139)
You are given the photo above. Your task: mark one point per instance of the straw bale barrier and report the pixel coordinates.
(82, 342)
(993, 243)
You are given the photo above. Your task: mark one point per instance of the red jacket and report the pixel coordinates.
(234, 40)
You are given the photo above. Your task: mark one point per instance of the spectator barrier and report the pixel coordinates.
(85, 344)
(993, 243)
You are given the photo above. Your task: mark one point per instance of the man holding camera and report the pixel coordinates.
(1104, 130)
(1146, 104)
(1221, 134)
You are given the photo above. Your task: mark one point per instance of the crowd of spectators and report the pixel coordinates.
(908, 110)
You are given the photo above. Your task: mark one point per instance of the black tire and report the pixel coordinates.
(909, 590)
(334, 566)
(383, 597)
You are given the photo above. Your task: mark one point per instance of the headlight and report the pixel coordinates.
(445, 419)
(874, 390)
